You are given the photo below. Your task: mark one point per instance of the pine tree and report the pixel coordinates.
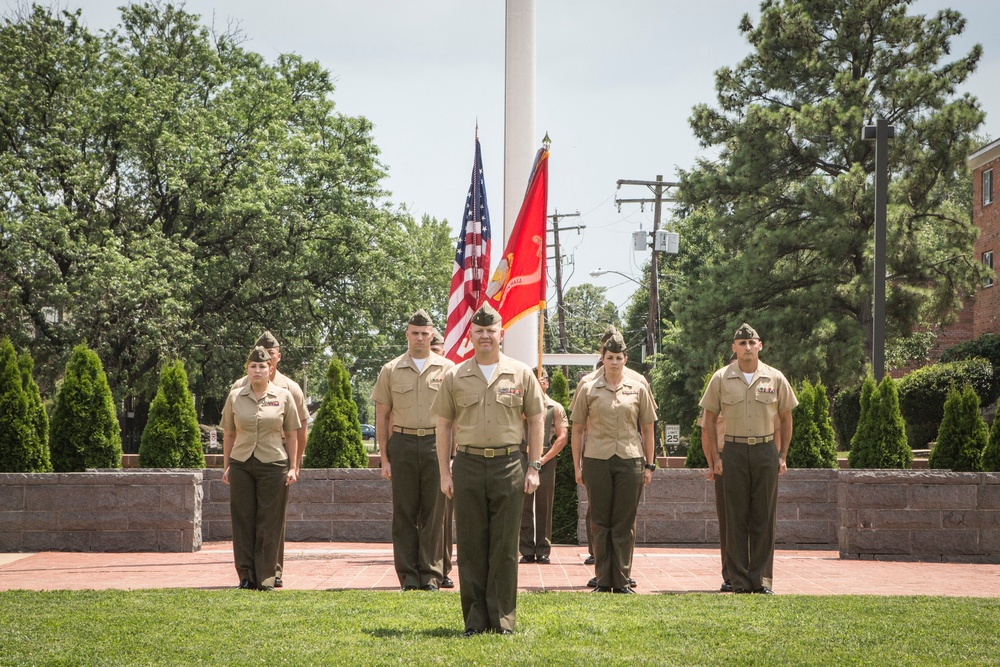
(18, 440)
(84, 431)
(171, 438)
(963, 435)
(821, 415)
(335, 438)
(804, 451)
(991, 453)
(40, 461)
(565, 505)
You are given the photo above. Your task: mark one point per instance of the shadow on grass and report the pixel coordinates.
(396, 633)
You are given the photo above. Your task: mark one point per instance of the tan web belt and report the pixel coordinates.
(419, 432)
(751, 440)
(489, 452)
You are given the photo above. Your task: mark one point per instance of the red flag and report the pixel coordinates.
(518, 284)
(472, 266)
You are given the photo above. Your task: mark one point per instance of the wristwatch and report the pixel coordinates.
(650, 466)
(537, 465)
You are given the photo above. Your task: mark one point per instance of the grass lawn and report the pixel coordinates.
(196, 627)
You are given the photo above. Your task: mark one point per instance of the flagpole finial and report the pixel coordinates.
(546, 142)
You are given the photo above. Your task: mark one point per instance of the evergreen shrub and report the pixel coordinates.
(922, 394)
(335, 437)
(880, 439)
(846, 414)
(566, 501)
(805, 449)
(821, 415)
(963, 435)
(84, 431)
(171, 438)
(18, 440)
(39, 460)
(986, 347)
(991, 454)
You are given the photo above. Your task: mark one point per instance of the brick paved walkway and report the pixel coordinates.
(325, 566)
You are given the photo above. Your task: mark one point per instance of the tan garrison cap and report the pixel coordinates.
(258, 354)
(267, 341)
(420, 319)
(437, 338)
(745, 332)
(608, 333)
(486, 316)
(615, 344)
(544, 373)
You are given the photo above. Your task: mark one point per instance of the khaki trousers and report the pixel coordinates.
(614, 487)
(536, 517)
(750, 484)
(257, 493)
(417, 510)
(489, 494)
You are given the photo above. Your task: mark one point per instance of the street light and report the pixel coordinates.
(597, 273)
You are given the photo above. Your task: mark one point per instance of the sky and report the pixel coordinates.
(615, 87)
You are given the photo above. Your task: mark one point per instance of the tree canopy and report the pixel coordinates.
(788, 202)
(165, 193)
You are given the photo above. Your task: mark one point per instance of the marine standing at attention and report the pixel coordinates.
(487, 399)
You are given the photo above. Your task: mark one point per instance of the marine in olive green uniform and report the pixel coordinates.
(749, 395)
(536, 518)
(403, 395)
(486, 399)
(259, 459)
(615, 462)
(437, 347)
(270, 344)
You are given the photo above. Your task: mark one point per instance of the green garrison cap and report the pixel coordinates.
(745, 332)
(267, 341)
(420, 319)
(486, 316)
(615, 344)
(258, 354)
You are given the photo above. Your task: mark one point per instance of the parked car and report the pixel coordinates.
(367, 432)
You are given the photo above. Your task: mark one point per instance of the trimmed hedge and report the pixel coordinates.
(922, 394)
(171, 438)
(812, 443)
(335, 438)
(986, 347)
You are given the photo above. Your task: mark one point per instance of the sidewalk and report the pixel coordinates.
(334, 566)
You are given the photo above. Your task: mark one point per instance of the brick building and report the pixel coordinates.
(985, 164)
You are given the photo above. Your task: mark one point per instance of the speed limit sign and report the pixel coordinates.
(671, 434)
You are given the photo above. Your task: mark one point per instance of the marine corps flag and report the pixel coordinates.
(517, 287)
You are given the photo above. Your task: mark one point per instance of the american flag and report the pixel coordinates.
(472, 266)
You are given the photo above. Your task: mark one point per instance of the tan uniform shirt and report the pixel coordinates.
(612, 417)
(749, 409)
(599, 372)
(553, 421)
(489, 415)
(408, 392)
(260, 425)
(288, 383)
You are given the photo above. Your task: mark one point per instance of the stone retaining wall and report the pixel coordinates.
(919, 515)
(106, 511)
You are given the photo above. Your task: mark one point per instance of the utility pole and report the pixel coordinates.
(560, 311)
(659, 188)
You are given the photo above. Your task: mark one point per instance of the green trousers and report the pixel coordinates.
(614, 487)
(489, 494)
(750, 484)
(536, 517)
(257, 493)
(417, 510)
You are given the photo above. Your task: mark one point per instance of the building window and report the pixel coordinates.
(988, 263)
(987, 187)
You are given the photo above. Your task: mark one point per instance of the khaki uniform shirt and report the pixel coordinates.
(599, 372)
(612, 417)
(408, 392)
(489, 415)
(555, 416)
(749, 409)
(288, 383)
(260, 425)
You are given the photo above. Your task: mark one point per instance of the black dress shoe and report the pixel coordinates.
(471, 632)
(543, 560)
(764, 590)
(246, 584)
(589, 560)
(602, 589)
(741, 591)
(592, 583)
(266, 589)
(527, 559)
(631, 582)
(428, 587)
(625, 591)
(277, 582)
(409, 588)
(447, 583)
(726, 587)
